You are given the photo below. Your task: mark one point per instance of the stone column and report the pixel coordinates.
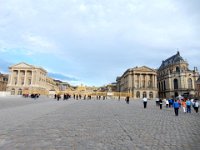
(18, 77)
(146, 80)
(152, 81)
(140, 81)
(25, 76)
(129, 81)
(32, 77)
(11, 77)
(155, 85)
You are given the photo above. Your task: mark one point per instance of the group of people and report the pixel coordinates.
(65, 96)
(77, 97)
(31, 95)
(185, 103)
(85, 97)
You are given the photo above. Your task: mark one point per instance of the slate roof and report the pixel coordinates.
(171, 60)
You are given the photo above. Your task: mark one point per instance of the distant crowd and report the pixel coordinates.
(180, 102)
(177, 103)
(77, 97)
(31, 95)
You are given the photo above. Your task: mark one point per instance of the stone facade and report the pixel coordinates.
(28, 79)
(198, 88)
(139, 82)
(175, 78)
(3, 81)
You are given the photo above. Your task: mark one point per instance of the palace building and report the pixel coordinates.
(175, 78)
(139, 82)
(28, 79)
(3, 81)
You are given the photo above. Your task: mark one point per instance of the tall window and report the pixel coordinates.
(143, 83)
(150, 84)
(144, 94)
(175, 84)
(13, 92)
(151, 95)
(189, 83)
(22, 81)
(15, 81)
(164, 85)
(138, 94)
(20, 92)
(177, 69)
(29, 81)
(159, 86)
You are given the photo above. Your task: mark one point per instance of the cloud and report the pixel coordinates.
(62, 77)
(98, 40)
(38, 41)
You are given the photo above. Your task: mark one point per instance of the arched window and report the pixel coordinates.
(138, 94)
(151, 95)
(20, 92)
(13, 92)
(175, 84)
(177, 69)
(189, 83)
(144, 94)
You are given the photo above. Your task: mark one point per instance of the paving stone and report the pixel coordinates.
(48, 124)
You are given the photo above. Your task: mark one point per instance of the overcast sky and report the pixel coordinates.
(94, 41)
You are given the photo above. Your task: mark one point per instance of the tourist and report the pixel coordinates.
(145, 102)
(170, 102)
(58, 97)
(188, 104)
(196, 105)
(64, 97)
(176, 107)
(127, 99)
(160, 103)
(166, 102)
(184, 106)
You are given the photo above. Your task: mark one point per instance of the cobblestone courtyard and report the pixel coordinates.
(46, 124)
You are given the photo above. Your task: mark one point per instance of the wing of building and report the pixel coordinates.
(25, 78)
(175, 78)
(139, 82)
(3, 81)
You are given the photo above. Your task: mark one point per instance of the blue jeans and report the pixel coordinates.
(188, 109)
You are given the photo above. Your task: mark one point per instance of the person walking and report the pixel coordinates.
(58, 97)
(166, 102)
(188, 104)
(127, 99)
(184, 106)
(145, 102)
(176, 107)
(196, 105)
(170, 103)
(160, 102)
